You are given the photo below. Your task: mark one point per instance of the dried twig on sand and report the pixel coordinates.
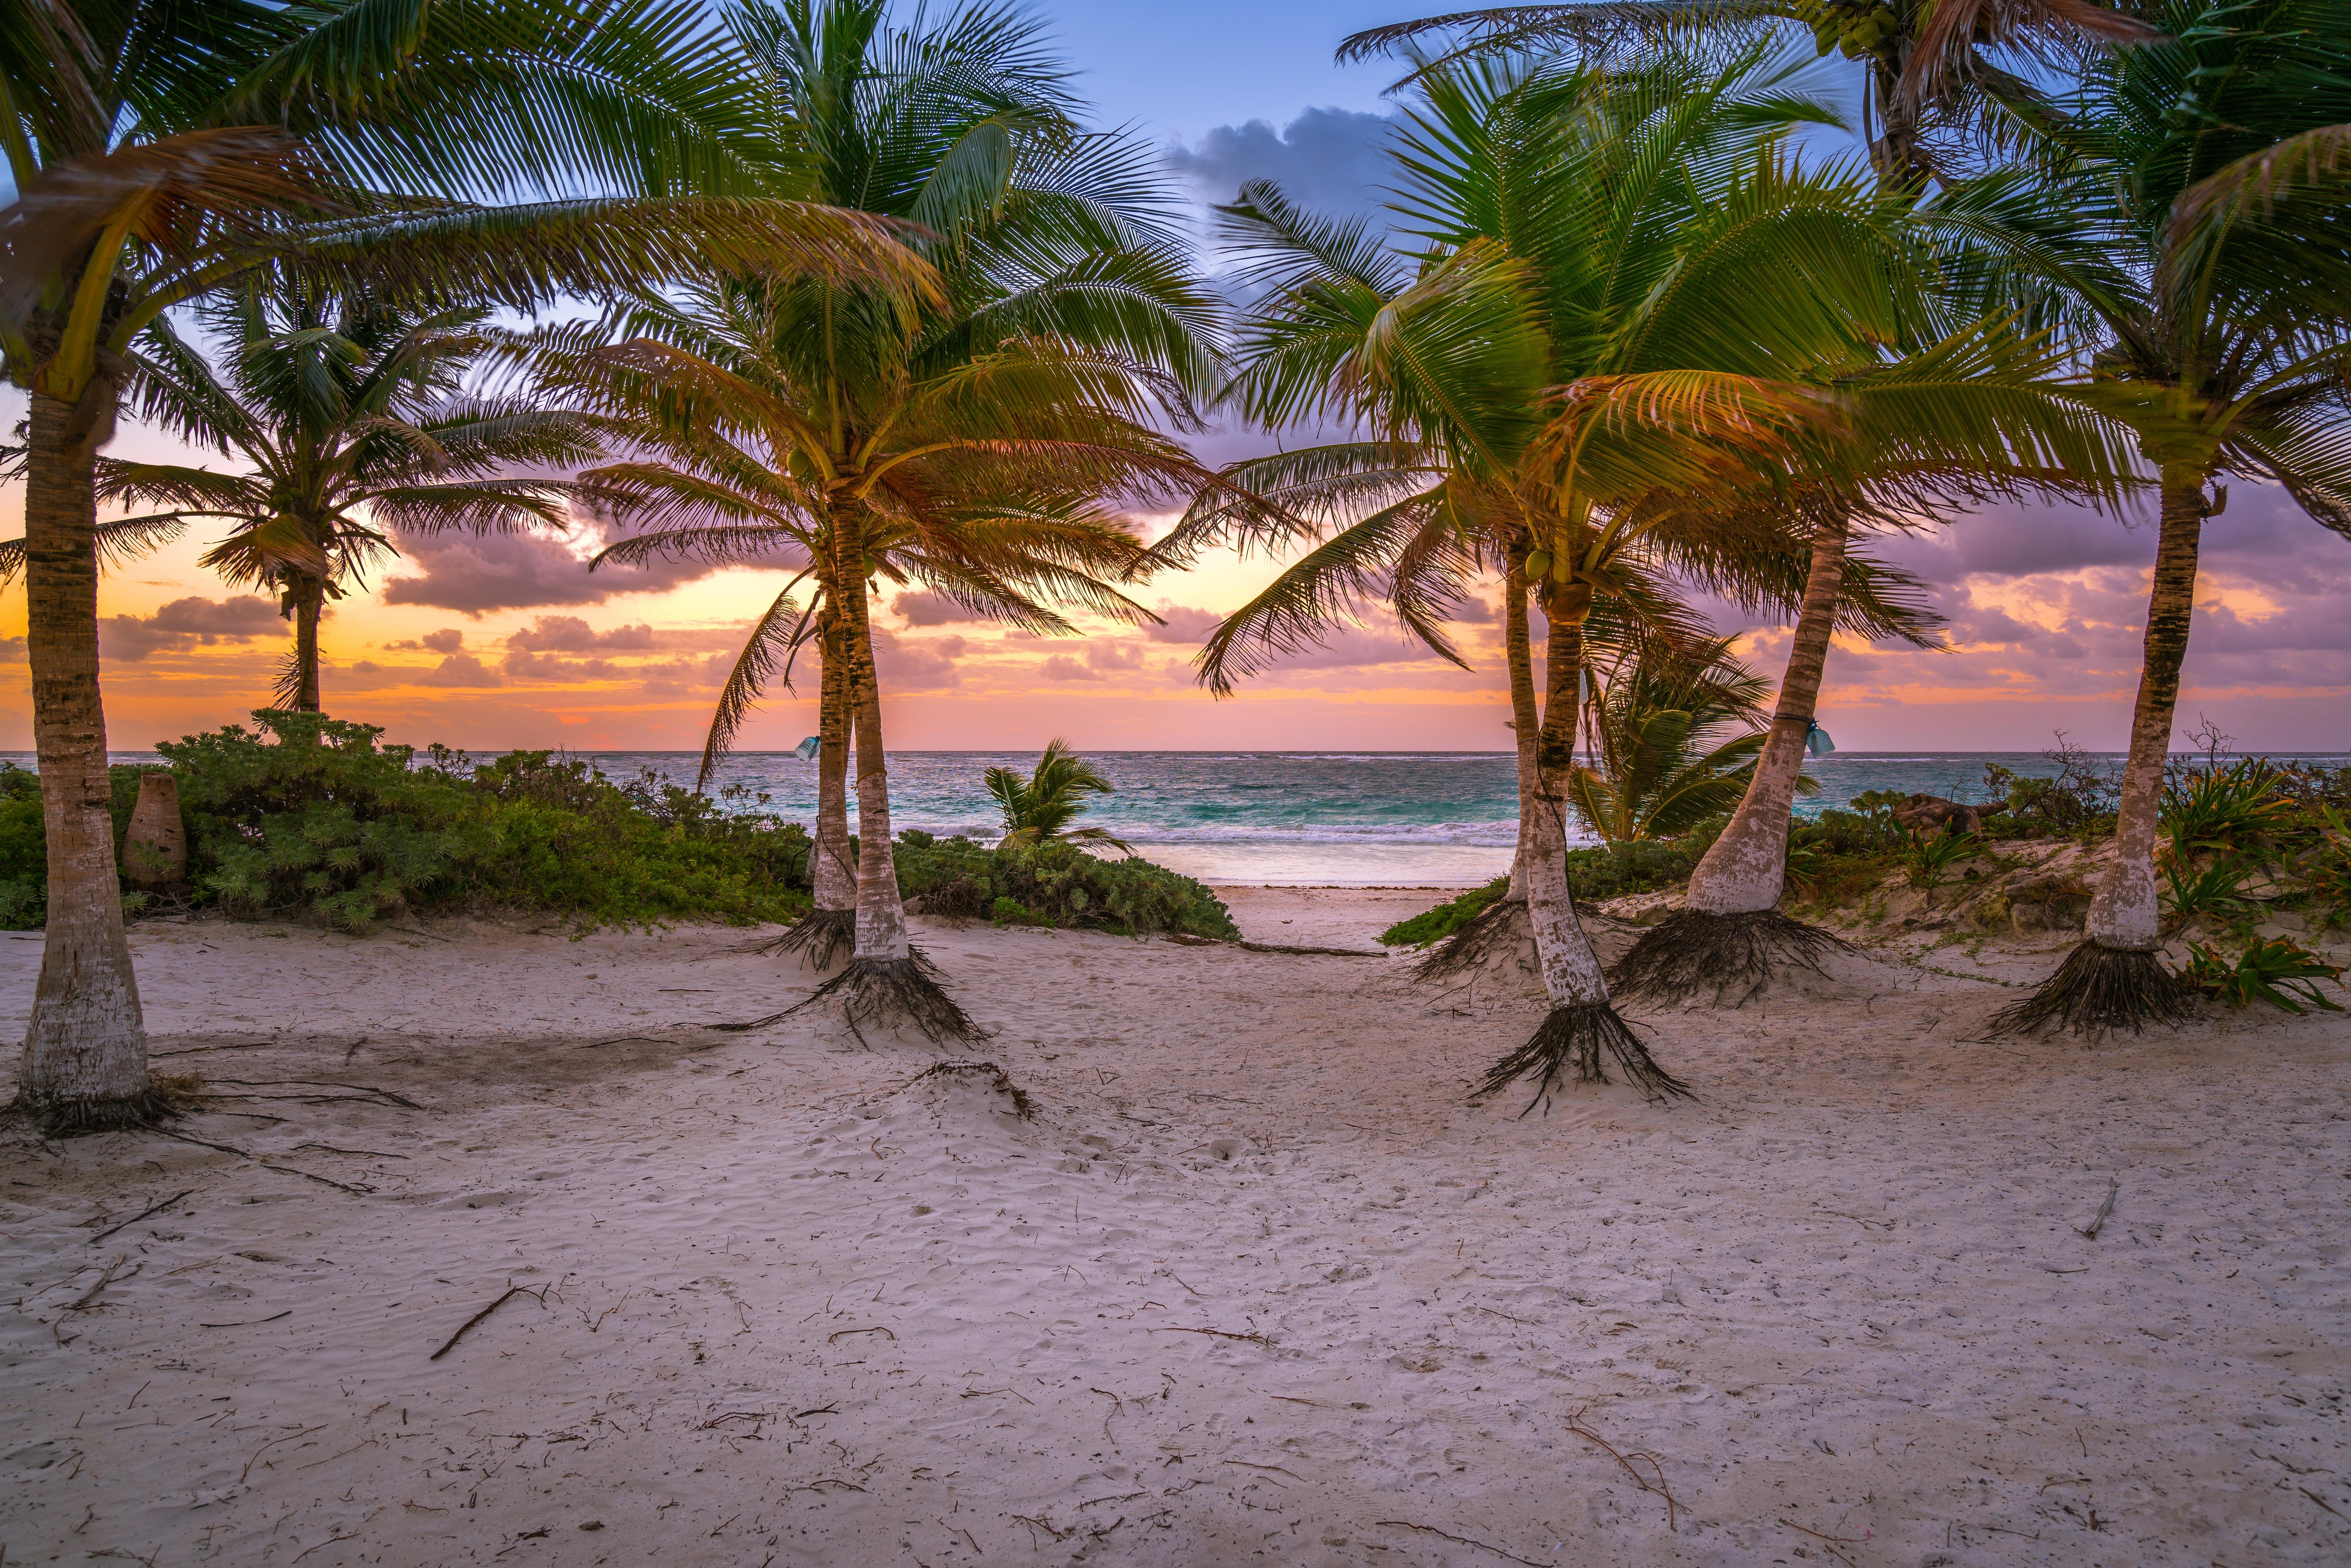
(511, 1292)
(1655, 1482)
(159, 1207)
(1219, 1334)
(2105, 1210)
(1482, 1546)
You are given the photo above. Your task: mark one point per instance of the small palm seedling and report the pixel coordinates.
(1043, 805)
(2279, 971)
(1928, 858)
(2213, 891)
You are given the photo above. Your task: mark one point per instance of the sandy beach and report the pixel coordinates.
(1251, 1283)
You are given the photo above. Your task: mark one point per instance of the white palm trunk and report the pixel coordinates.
(1518, 648)
(2126, 914)
(1570, 970)
(1745, 871)
(881, 914)
(834, 872)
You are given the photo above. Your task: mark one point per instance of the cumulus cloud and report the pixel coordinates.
(526, 666)
(186, 623)
(475, 574)
(1108, 656)
(12, 651)
(923, 607)
(1061, 667)
(1358, 648)
(1330, 160)
(447, 640)
(1181, 623)
(906, 664)
(570, 634)
(459, 670)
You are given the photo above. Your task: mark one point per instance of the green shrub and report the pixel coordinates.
(2280, 972)
(1055, 882)
(1435, 925)
(310, 817)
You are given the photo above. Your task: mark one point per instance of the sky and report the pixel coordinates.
(495, 644)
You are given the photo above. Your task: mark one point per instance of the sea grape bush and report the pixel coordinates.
(309, 817)
(1055, 882)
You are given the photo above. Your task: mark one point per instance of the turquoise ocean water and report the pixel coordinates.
(1333, 818)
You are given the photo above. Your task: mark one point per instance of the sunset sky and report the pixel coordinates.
(502, 642)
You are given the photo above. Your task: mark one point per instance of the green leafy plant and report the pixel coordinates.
(1043, 805)
(2231, 811)
(2214, 890)
(1435, 925)
(2279, 971)
(1055, 882)
(1927, 859)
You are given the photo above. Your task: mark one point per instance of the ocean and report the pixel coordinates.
(1316, 819)
(1311, 819)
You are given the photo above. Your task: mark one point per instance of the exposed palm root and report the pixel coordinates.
(162, 1102)
(2098, 989)
(893, 990)
(1692, 952)
(1499, 925)
(1582, 1037)
(820, 935)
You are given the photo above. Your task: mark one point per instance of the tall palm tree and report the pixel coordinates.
(1011, 408)
(160, 152)
(350, 410)
(2204, 179)
(1641, 345)
(1928, 67)
(718, 480)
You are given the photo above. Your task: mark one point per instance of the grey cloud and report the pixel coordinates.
(476, 574)
(186, 623)
(922, 607)
(570, 634)
(447, 640)
(909, 665)
(459, 670)
(1182, 624)
(1330, 160)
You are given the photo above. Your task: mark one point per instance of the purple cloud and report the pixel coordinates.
(186, 623)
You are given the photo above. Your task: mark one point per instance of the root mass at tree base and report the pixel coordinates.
(894, 990)
(1691, 952)
(1500, 927)
(1582, 1040)
(2099, 990)
(821, 935)
(80, 1118)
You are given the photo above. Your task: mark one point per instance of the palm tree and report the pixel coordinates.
(715, 481)
(1966, 68)
(2203, 179)
(1659, 719)
(947, 432)
(159, 154)
(349, 410)
(1927, 65)
(1712, 334)
(1043, 805)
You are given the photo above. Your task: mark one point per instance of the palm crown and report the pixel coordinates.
(351, 412)
(1043, 805)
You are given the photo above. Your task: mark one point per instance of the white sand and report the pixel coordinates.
(797, 1310)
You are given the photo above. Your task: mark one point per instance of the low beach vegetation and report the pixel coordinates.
(1054, 882)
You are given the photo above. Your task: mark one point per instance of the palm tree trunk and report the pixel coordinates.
(2124, 914)
(1745, 870)
(834, 874)
(86, 1049)
(1570, 970)
(1518, 649)
(2116, 977)
(309, 599)
(1581, 1031)
(881, 914)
